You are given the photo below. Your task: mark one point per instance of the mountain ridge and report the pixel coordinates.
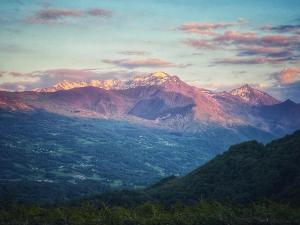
(253, 96)
(156, 78)
(245, 92)
(160, 99)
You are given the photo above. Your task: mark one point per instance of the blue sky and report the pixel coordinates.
(213, 44)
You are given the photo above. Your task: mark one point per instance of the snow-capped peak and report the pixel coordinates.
(160, 74)
(253, 96)
(66, 85)
(156, 78)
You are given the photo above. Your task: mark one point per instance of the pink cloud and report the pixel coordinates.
(237, 37)
(200, 44)
(206, 28)
(279, 40)
(288, 75)
(251, 38)
(152, 62)
(52, 15)
(250, 61)
(267, 48)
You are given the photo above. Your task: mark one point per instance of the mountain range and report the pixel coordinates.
(159, 99)
(79, 138)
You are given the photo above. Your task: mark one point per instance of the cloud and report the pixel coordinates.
(249, 61)
(127, 63)
(200, 44)
(99, 12)
(69, 74)
(15, 86)
(235, 37)
(251, 38)
(266, 48)
(205, 28)
(55, 15)
(264, 51)
(55, 75)
(288, 75)
(131, 52)
(18, 74)
(287, 84)
(284, 28)
(46, 78)
(279, 40)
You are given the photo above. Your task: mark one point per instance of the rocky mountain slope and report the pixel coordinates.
(253, 96)
(159, 99)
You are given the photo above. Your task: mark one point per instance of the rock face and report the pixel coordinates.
(160, 99)
(253, 96)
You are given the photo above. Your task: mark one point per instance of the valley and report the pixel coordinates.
(91, 140)
(90, 156)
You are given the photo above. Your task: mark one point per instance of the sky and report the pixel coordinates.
(216, 44)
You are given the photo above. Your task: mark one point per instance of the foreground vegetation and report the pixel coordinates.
(209, 213)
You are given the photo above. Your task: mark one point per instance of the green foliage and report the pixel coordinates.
(203, 213)
(246, 172)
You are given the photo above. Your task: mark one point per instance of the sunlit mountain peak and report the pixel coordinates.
(160, 74)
